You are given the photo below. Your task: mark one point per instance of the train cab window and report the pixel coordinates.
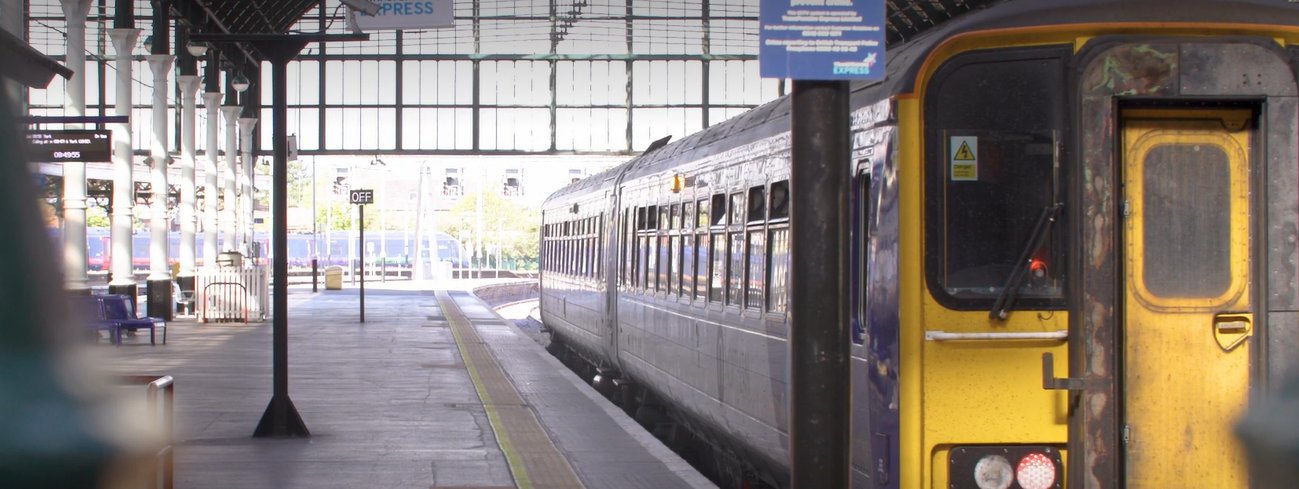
(780, 200)
(719, 210)
(994, 126)
(757, 205)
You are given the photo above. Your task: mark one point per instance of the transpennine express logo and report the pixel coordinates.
(862, 67)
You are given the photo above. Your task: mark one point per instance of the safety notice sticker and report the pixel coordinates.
(965, 158)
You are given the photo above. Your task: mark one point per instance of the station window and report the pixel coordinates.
(994, 120)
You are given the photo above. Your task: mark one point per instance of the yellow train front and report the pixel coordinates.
(1073, 241)
(1131, 166)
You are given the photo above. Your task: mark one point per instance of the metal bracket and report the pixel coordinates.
(1051, 382)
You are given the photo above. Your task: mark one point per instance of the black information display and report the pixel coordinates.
(70, 145)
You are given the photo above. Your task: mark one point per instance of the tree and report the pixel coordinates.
(97, 217)
(504, 221)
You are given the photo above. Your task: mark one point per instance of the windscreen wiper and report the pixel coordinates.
(1007, 296)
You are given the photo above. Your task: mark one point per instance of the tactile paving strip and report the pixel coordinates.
(534, 460)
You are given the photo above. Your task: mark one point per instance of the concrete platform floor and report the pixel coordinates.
(389, 403)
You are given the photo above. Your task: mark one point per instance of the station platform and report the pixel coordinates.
(434, 390)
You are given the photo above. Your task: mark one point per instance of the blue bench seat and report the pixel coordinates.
(117, 309)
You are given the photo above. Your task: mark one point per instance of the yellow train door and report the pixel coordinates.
(1187, 298)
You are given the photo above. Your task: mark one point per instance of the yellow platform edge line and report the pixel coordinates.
(498, 427)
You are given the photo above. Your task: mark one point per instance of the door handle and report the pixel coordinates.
(1051, 382)
(1232, 329)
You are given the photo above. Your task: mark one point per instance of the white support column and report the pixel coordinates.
(228, 224)
(74, 173)
(246, 126)
(123, 180)
(158, 160)
(189, 85)
(212, 102)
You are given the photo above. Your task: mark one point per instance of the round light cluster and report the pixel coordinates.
(1035, 471)
(993, 472)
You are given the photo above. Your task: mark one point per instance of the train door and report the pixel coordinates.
(1187, 299)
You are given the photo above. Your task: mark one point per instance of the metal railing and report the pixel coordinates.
(228, 303)
(166, 457)
(249, 301)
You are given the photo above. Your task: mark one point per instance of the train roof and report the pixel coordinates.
(903, 62)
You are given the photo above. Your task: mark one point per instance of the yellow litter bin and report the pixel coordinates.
(334, 278)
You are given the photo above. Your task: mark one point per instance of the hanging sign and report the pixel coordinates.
(408, 14)
(821, 39)
(69, 145)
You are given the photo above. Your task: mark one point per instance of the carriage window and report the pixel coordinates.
(688, 216)
(780, 200)
(687, 266)
(664, 219)
(735, 289)
(994, 128)
(719, 210)
(652, 218)
(757, 203)
(777, 295)
(640, 218)
(717, 285)
(663, 263)
(676, 216)
(757, 252)
(702, 220)
(701, 270)
(737, 208)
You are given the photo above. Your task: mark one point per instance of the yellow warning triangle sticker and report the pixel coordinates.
(964, 153)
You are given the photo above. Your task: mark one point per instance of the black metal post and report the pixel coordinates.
(819, 383)
(281, 417)
(361, 217)
(315, 275)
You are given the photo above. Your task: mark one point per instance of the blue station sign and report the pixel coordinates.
(822, 39)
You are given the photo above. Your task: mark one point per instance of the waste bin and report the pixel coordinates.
(334, 277)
